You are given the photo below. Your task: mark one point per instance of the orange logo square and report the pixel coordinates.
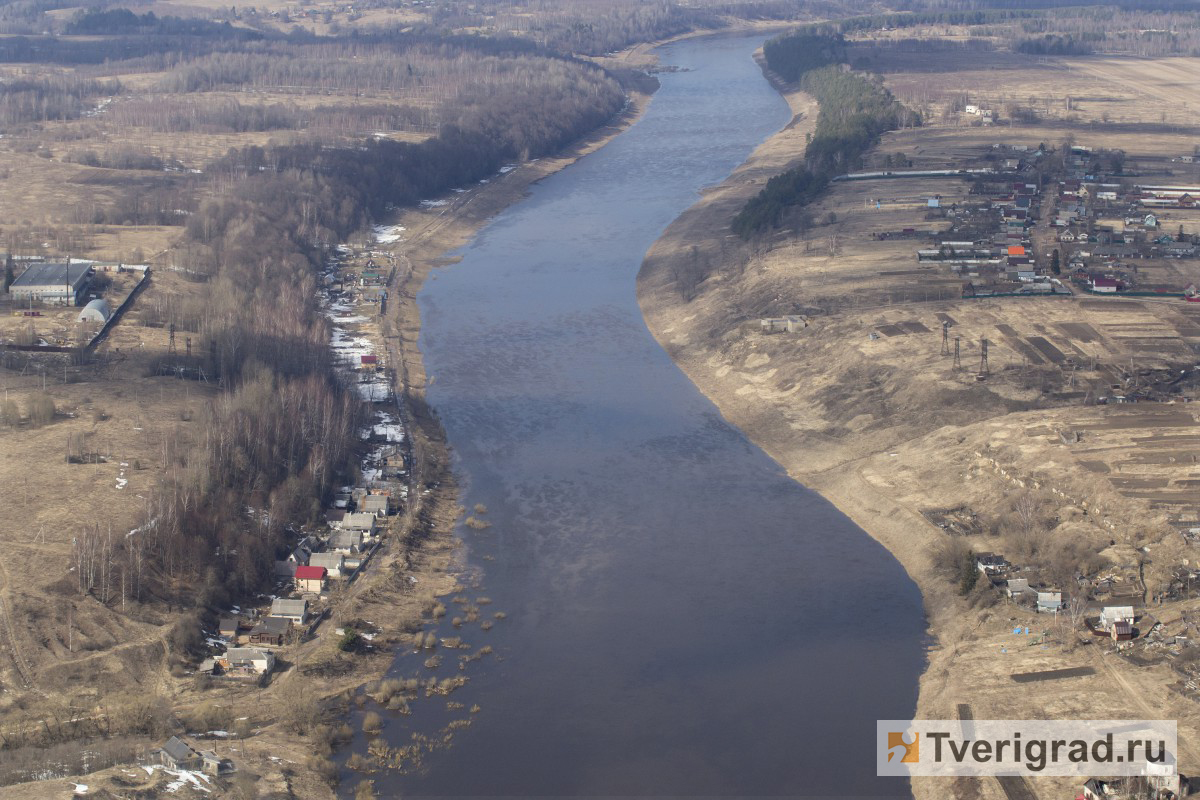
(909, 752)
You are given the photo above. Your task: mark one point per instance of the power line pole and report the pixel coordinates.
(957, 360)
(983, 358)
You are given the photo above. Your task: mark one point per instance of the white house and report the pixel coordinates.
(334, 563)
(1111, 614)
(247, 660)
(295, 610)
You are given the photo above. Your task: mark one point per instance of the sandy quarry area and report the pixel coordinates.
(866, 405)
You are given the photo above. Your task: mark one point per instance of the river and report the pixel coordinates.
(682, 618)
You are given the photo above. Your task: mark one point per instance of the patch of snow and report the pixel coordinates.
(507, 168)
(386, 234)
(80, 788)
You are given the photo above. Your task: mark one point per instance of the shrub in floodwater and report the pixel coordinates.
(386, 690)
(433, 662)
(372, 722)
(477, 524)
(456, 622)
(439, 610)
(357, 762)
(483, 601)
(500, 615)
(480, 508)
(486, 625)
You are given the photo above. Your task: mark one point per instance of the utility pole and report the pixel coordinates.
(945, 338)
(957, 360)
(983, 358)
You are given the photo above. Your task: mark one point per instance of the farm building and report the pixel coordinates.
(53, 283)
(310, 579)
(1122, 630)
(95, 311)
(294, 610)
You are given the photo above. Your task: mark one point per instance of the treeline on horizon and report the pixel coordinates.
(854, 112)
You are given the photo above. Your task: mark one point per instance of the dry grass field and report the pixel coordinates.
(866, 406)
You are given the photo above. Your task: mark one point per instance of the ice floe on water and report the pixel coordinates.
(434, 203)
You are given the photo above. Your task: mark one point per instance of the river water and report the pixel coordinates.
(682, 618)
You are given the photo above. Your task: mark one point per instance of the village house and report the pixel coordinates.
(990, 563)
(294, 610)
(346, 542)
(1111, 614)
(333, 563)
(270, 631)
(228, 628)
(213, 764)
(178, 754)
(1017, 588)
(243, 661)
(378, 504)
(361, 522)
(310, 579)
(1049, 602)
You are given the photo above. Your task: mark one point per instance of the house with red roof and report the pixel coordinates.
(310, 579)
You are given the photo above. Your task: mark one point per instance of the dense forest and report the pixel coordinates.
(1051, 45)
(854, 111)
